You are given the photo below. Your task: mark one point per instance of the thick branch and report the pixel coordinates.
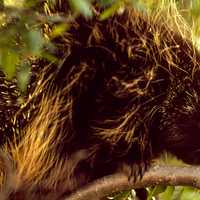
(157, 175)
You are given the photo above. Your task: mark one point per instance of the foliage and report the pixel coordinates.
(22, 41)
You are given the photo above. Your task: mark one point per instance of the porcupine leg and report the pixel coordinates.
(135, 171)
(136, 162)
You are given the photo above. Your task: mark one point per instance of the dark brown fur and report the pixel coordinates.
(127, 90)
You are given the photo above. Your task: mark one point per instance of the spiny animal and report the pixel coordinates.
(127, 89)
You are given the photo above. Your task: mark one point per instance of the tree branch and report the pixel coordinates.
(157, 175)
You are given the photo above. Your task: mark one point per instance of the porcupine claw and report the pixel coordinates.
(136, 171)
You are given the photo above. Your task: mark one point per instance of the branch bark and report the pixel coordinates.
(156, 175)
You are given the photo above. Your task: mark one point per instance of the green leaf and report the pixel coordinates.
(49, 57)
(168, 193)
(190, 193)
(107, 2)
(111, 10)
(194, 8)
(155, 191)
(23, 77)
(59, 30)
(9, 60)
(81, 6)
(34, 42)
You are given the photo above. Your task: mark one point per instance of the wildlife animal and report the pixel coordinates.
(127, 89)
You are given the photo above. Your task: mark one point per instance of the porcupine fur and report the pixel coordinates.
(127, 90)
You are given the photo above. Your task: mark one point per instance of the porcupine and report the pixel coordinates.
(127, 90)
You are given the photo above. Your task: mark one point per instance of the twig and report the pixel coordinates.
(157, 175)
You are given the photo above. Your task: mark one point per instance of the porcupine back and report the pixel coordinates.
(130, 73)
(121, 95)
